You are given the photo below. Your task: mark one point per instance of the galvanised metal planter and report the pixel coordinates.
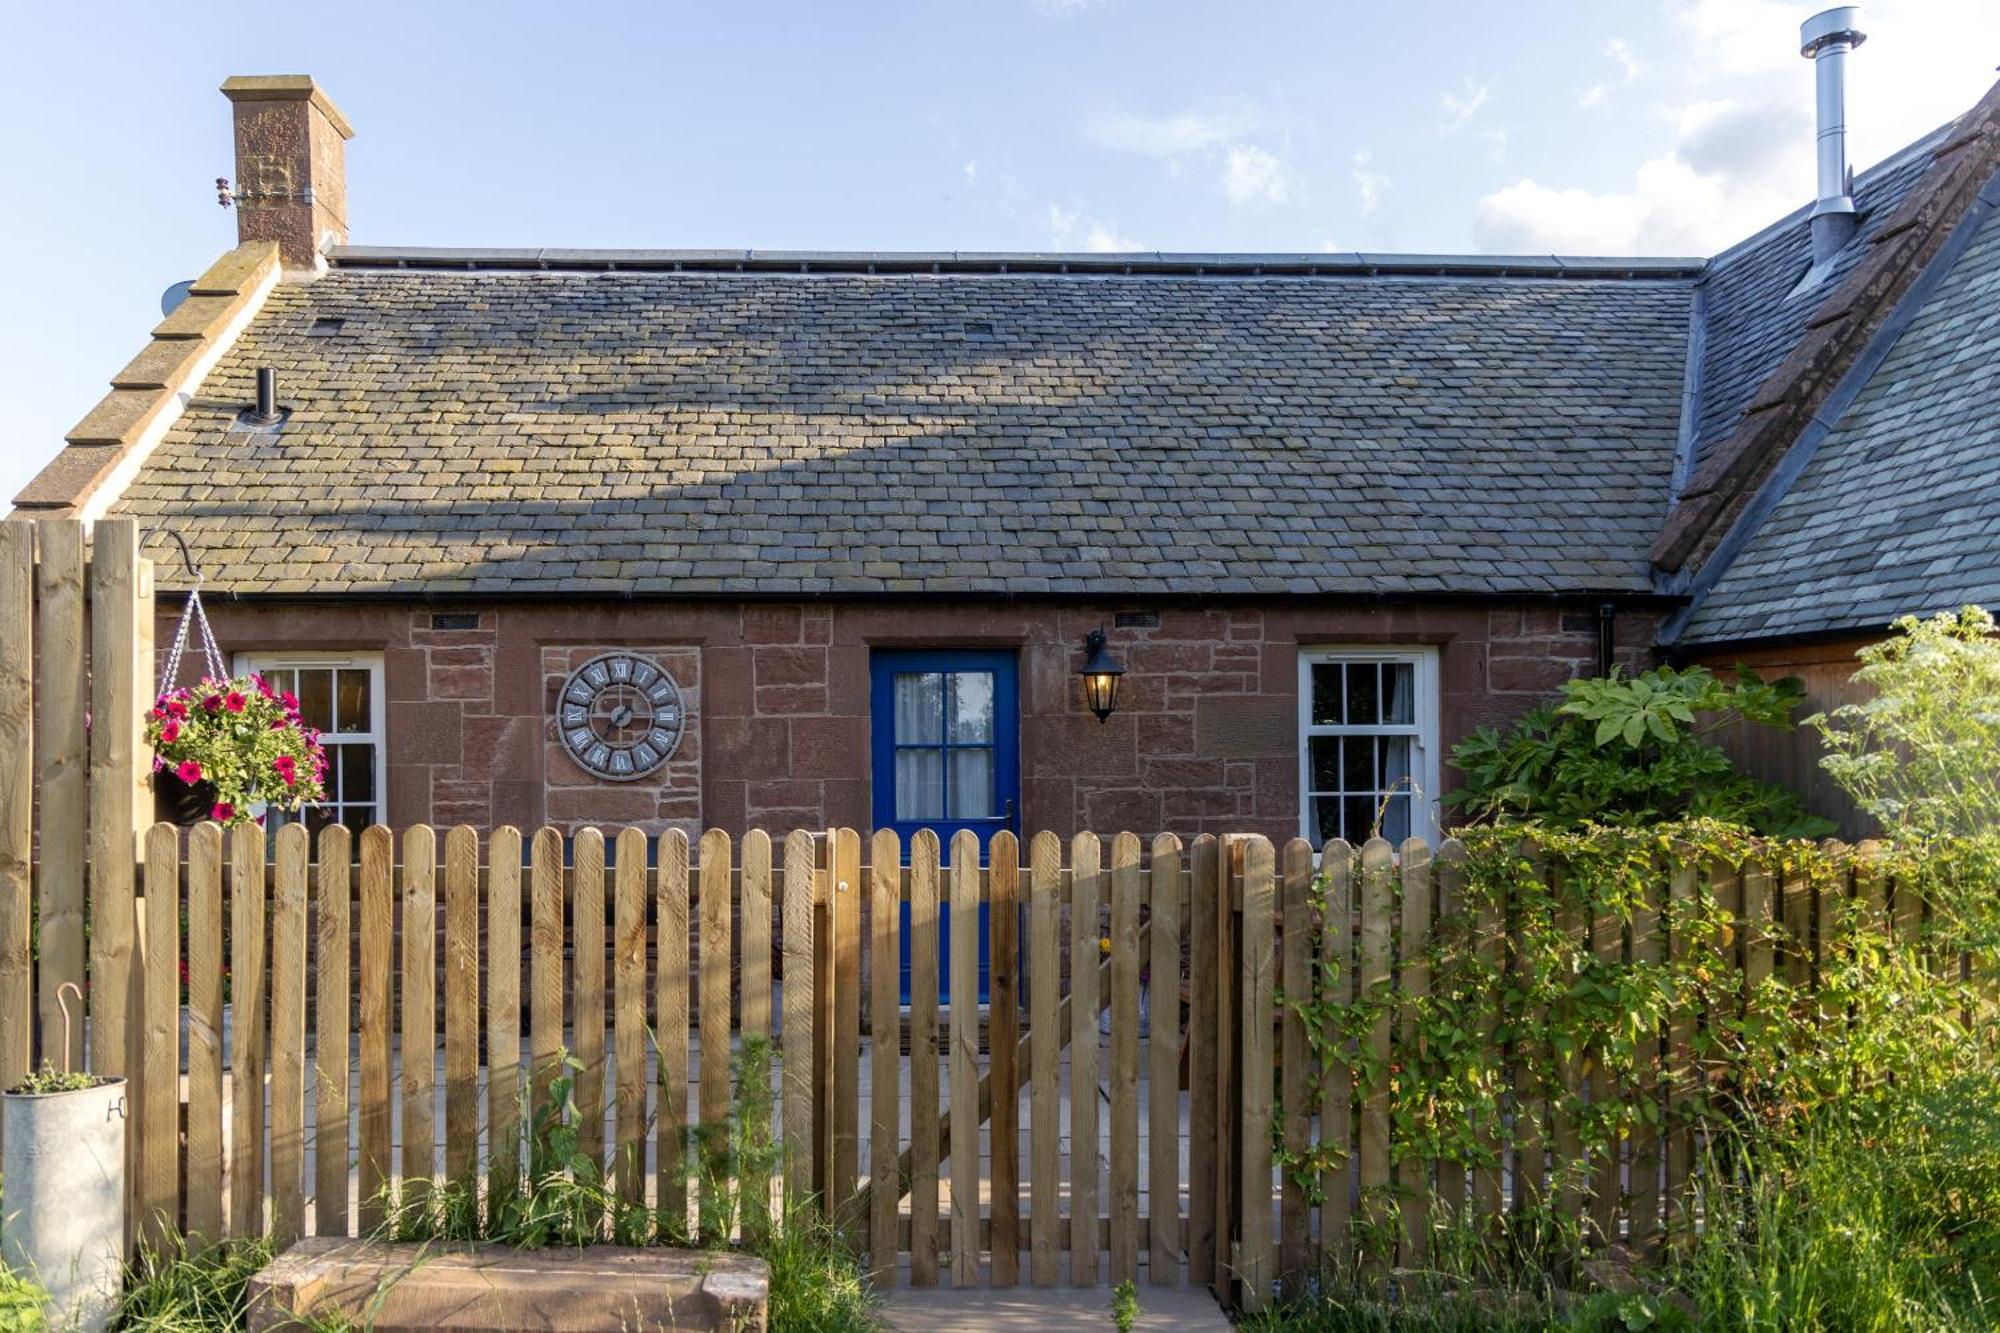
(64, 1223)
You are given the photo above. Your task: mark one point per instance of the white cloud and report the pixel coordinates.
(1624, 57)
(1062, 8)
(1253, 178)
(1456, 110)
(1172, 135)
(1369, 183)
(1073, 230)
(1594, 96)
(971, 169)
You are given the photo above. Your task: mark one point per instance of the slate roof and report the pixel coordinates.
(1896, 511)
(764, 432)
(1751, 309)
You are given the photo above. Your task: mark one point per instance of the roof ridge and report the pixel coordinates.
(998, 262)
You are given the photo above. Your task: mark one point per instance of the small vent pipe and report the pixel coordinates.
(1825, 39)
(266, 411)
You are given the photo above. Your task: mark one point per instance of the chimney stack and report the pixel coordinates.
(291, 165)
(1825, 39)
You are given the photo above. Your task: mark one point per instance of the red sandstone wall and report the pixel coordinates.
(1204, 739)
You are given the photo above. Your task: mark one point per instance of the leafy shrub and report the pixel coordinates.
(1922, 755)
(22, 1303)
(48, 1079)
(1631, 751)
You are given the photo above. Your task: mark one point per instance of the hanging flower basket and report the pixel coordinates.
(236, 744)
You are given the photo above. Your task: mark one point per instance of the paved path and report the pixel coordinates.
(1046, 1310)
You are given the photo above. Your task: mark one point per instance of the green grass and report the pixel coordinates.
(182, 1290)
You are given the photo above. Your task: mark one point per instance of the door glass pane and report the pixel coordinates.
(1361, 695)
(316, 697)
(1326, 818)
(972, 784)
(1326, 694)
(351, 712)
(920, 784)
(1399, 693)
(919, 707)
(1325, 763)
(971, 706)
(1396, 819)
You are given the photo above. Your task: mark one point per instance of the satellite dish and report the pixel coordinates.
(171, 298)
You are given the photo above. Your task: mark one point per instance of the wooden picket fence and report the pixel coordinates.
(311, 1024)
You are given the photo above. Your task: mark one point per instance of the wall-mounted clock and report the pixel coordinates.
(620, 716)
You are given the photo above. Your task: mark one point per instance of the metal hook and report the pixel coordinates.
(186, 557)
(62, 1002)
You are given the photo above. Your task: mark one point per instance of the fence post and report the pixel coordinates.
(1257, 1256)
(17, 798)
(61, 775)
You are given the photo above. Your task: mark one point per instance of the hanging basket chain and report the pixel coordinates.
(191, 613)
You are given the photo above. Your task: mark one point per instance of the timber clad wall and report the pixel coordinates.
(1204, 738)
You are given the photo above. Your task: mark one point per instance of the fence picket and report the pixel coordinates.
(1257, 1255)
(503, 1010)
(204, 1001)
(1336, 1089)
(1204, 1079)
(1412, 1171)
(332, 974)
(1295, 1058)
(288, 1035)
(1607, 945)
(712, 1003)
(964, 1058)
(844, 914)
(671, 1031)
(1568, 1170)
(1646, 1155)
(629, 1021)
(61, 778)
(801, 1152)
(1045, 1069)
(1529, 1104)
(755, 1025)
(1085, 861)
(461, 1007)
(1124, 1176)
(378, 921)
(923, 1058)
(1490, 950)
(1448, 870)
(1682, 888)
(246, 1047)
(120, 692)
(1377, 908)
(17, 800)
(1003, 1027)
(586, 991)
(1163, 1065)
(885, 1022)
(419, 1015)
(159, 1103)
(545, 969)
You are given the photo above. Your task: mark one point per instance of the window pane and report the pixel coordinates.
(1396, 819)
(352, 711)
(972, 706)
(1362, 707)
(318, 817)
(1395, 763)
(316, 697)
(920, 784)
(972, 784)
(1357, 764)
(1399, 693)
(1326, 818)
(357, 817)
(1359, 812)
(919, 707)
(1325, 762)
(357, 771)
(1326, 694)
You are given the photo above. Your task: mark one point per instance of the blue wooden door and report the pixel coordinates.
(946, 731)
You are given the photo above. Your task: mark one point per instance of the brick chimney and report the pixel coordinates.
(291, 165)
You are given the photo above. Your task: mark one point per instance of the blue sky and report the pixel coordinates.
(1647, 126)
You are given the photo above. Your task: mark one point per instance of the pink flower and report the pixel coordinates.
(234, 703)
(211, 702)
(170, 731)
(290, 701)
(189, 772)
(223, 811)
(288, 769)
(177, 708)
(263, 686)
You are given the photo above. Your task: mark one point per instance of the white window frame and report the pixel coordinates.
(1426, 810)
(377, 733)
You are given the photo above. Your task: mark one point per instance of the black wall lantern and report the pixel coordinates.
(1100, 676)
